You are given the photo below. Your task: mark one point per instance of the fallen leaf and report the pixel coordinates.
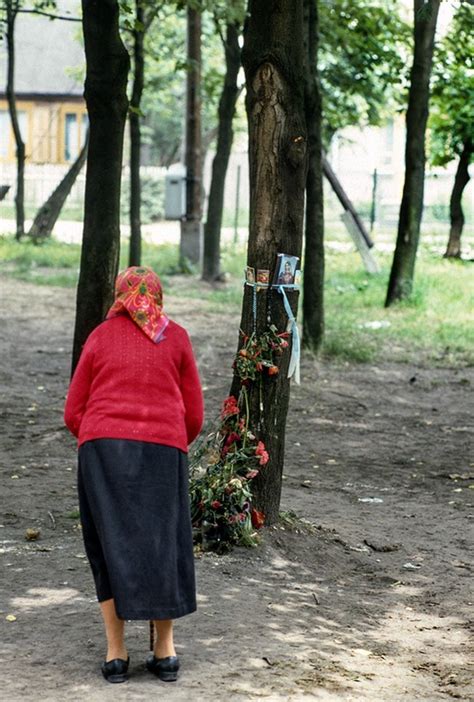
(10, 618)
(32, 534)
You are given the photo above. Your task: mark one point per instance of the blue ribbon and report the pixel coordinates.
(294, 367)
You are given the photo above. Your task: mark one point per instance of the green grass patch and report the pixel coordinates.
(433, 326)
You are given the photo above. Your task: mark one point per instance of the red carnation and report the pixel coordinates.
(229, 407)
(260, 451)
(258, 519)
(215, 504)
(252, 474)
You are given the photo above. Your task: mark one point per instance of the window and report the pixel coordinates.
(71, 137)
(7, 139)
(75, 130)
(4, 133)
(84, 128)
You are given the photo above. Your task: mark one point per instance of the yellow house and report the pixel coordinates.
(48, 86)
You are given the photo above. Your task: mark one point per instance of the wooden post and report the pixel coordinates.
(371, 265)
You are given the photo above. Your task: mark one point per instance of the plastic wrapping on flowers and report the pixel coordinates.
(230, 458)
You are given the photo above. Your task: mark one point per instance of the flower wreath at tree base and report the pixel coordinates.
(229, 458)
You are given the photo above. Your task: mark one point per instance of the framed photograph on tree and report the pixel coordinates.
(285, 269)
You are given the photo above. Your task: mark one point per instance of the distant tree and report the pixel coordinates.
(273, 59)
(225, 135)
(145, 12)
(356, 56)
(190, 245)
(313, 282)
(403, 266)
(10, 10)
(107, 66)
(452, 114)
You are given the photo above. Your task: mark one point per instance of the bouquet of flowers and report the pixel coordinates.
(231, 457)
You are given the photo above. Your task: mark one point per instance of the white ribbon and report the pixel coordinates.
(294, 366)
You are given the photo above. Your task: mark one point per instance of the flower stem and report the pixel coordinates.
(247, 413)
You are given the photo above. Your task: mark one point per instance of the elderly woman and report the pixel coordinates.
(135, 404)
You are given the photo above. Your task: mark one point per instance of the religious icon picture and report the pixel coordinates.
(285, 269)
(298, 277)
(250, 275)
(263, 276)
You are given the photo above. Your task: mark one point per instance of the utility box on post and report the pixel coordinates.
(175, 193)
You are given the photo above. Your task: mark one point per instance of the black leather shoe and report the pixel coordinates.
(165, 668)
(115, 671)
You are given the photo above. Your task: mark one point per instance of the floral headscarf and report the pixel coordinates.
(138, 292)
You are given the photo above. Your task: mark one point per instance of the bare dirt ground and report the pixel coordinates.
(372, 602)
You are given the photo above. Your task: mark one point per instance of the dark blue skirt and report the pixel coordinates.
(136, 524)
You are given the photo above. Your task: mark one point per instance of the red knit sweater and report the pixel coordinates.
(127, 387)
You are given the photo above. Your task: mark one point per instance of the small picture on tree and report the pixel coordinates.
(250, 275)
(285, 269)
(263, 276)
(298, 277)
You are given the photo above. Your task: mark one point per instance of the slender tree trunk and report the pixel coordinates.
(48, 213)
(313, 283)
(107, 64)
(461, 179)
(12, 7)
(411, 209)
(135, 139)
(273, 61)
(230, 92)
(191, 226)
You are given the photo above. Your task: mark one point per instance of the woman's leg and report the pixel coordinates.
(114, 630)
(164, 645)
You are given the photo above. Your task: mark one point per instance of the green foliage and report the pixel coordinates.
(153, 202)
(363, 52)
(451, 108)
(163, 101)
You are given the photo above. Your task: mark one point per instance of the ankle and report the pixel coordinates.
(116, 651)
(163, 650)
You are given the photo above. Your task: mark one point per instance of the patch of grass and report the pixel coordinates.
(163, 258)
(433, 326)
(290, 521)
(75, 514)
(50, 263)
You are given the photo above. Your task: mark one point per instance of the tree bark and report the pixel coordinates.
(461, 179)
(48, 213)
(191, 227)
(230, 93)
(12, 8)
(411, 209)
(135, 252)
(107, 65)
(273, 61)
(313, 282)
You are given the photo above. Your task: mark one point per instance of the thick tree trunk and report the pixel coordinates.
(135, 252)
(313, 282)
(106, 97)
(461, 179)
(411, 209)
(191, 226)
(230, 92)
(12, 7)
(273, 61)
(48, 213)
